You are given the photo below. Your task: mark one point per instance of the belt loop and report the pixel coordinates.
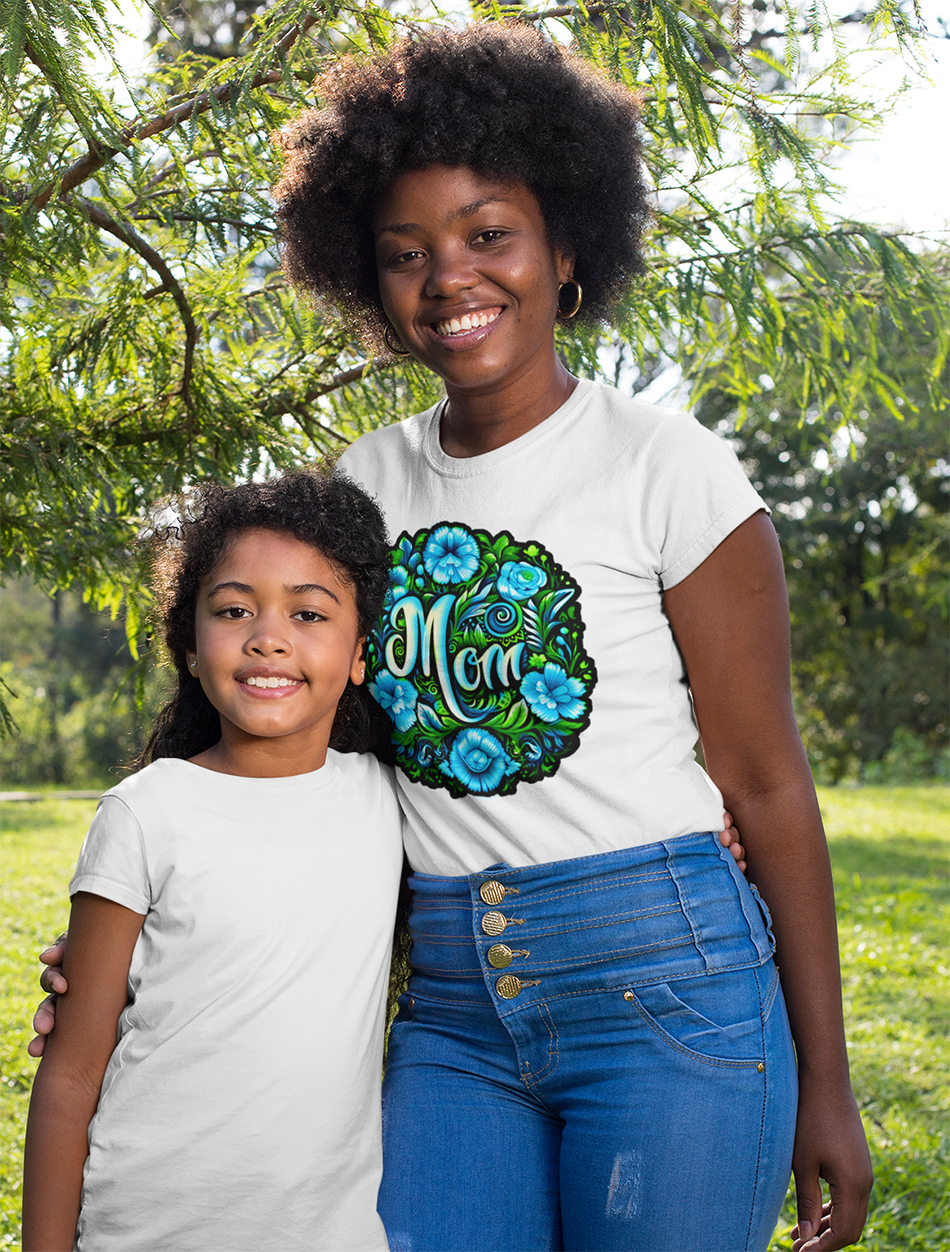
(680, 881)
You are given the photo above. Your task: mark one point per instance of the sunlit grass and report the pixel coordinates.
(40, 843)
(889, 850)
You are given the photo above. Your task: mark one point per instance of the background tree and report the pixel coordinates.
(148, 338)
(862, 516)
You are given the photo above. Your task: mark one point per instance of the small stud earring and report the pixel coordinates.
(192, 664)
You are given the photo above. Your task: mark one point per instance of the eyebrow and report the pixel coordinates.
(300, 589)
(466, 210)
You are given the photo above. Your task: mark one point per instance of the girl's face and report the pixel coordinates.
(276, 638)
(468, 276)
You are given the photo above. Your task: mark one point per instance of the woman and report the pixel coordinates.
(594, 1051)
(593, 1019)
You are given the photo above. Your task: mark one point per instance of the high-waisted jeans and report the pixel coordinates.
(592, 1055)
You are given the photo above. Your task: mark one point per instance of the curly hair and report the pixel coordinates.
(497, 97)
(328, 512)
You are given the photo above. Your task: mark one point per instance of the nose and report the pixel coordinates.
(267, 638)
(451, 270)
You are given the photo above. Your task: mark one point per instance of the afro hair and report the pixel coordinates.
(497, 97)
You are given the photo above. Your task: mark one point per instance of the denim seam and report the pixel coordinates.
(527, 1077)
(715, 1062)
(765, 1092)
(770, 996)
(646, 982)
(615, 884)
(440, 1000)
(606, 919)
(566, 963)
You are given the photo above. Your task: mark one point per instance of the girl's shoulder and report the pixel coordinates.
(362, 769)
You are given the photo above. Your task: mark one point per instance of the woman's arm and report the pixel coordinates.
(730, 620)
(102, 935)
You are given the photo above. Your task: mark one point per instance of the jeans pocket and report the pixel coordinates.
(716, 1018)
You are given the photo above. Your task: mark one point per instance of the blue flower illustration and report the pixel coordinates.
(450, 554)
(478, 761)
(396, 697)
(518, 580)
(552, 695)
(398, 585)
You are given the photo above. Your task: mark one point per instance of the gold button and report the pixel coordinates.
(492, 892)
(499, 955)
(494, 923)
(508, 986)
(628, 995)
(760, 1067)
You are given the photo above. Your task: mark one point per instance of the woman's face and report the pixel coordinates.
(468, 276)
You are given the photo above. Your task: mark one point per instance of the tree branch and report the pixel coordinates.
(98, 154)
(123, 232)
(287, 403)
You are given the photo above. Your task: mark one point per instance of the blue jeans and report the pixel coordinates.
(592, 1055)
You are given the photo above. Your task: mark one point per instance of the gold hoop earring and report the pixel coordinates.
(565, 313)
(400, 351)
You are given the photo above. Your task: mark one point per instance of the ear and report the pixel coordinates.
(191, 660)
(358, 668)
(564, 265)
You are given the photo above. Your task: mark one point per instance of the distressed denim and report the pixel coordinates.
(632, 1087)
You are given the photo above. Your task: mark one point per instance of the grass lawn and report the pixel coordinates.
(889, 850)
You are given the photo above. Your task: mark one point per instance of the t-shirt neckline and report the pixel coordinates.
(314, 778)
(471, 466)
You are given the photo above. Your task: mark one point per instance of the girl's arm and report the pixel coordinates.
(102, 935)
(730, 620)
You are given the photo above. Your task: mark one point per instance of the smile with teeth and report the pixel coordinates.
(256, 681)
(468, 321)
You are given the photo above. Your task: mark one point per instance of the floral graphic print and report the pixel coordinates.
(479, 661)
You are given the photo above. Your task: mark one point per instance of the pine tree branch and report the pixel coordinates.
(98, 154)
(287, 403)
(124, 232)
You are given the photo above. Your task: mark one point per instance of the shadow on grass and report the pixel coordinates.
(872, 859)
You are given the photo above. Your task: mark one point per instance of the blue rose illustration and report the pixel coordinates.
(450, 554)
(478, 760)
(552, 695)
(396, 697)
(518, 580)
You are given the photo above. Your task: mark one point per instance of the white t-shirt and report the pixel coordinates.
(240, 1111)
(539, 701)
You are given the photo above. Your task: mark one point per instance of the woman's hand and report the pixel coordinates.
(829, 1144)
(729, 838)
(52, 981)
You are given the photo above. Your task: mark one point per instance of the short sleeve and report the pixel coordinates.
(112, 863)
(699, 494)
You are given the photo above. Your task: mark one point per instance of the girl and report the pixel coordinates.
(258, 841)
(594, 1052)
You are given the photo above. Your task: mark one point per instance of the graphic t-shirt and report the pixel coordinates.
(539, 703)
(241, 1107)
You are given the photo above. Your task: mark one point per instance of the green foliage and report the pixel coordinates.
(148, 338)
(862, 516)
(71, 685)
(888, 851)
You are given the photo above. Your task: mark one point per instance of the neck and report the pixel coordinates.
(479, 421)
(250, 756)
